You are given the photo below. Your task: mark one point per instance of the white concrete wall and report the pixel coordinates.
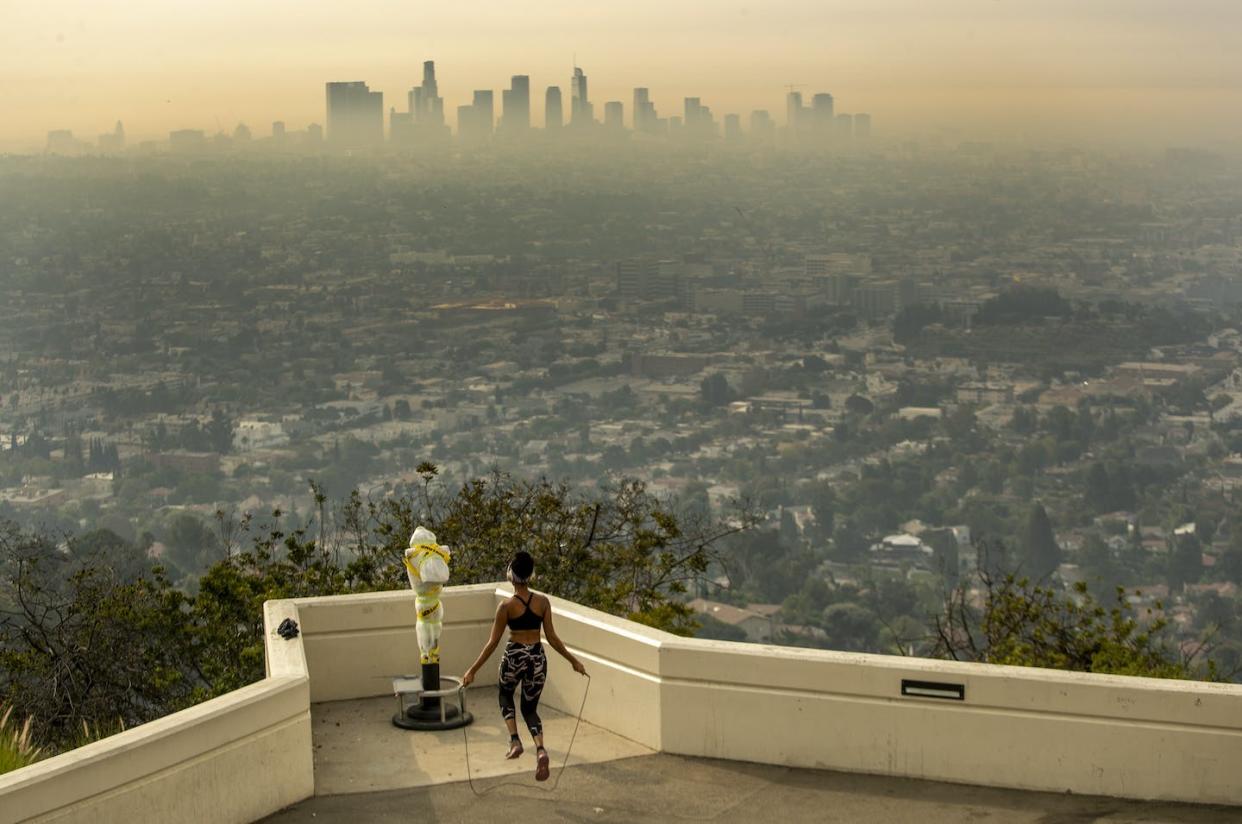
(235, 758)
(623, 660)
(248, 753)
(355, 644)
(1017, 727)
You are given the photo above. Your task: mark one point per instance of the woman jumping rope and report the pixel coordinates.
(524, 659)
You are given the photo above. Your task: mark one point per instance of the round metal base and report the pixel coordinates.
(416, 718)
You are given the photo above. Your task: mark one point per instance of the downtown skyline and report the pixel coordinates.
(356, 115)
(1108, 71)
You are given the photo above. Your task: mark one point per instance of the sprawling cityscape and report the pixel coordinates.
(733, 368)
(892, 354)
(355, 121)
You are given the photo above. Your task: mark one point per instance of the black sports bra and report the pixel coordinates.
(528, 619)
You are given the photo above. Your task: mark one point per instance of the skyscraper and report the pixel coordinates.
(581, 113)
(614, 115)
(425, 104)
(485, 110)
(844, 126)
(400, 127)
(515, 117)
(761, 127)
(553, 115)
(732, 128)
(822, 107)
(475, 122)
(467, 131)
(862, 125)
(432, 103)
(793, 111)
(644, 112)
(187, 140)
(698, 120)
(355, 115)
(62, 141)
(113, 141)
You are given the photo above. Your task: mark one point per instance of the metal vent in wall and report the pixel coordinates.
(933, 689)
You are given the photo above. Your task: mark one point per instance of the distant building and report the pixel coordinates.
(187, 140)
(645, 119)
(254, 434)
(614, 115)
(484, 111)
(475, 122)
(1157, 372)
(844, 126)
(836, 263)
(355, 115)
(762, 128)
(426, 111)
(732, 128)
(653, 280)
(401, 127)
(985, 393)
(497, 310)
(113, 141)
(581, 112)
(756, 302)
(698, 121)
(862, 125)
(758, 626)
(278, 131)
(61, 141)
(896, 550)
(822, 114)
(553, 115)
(876, 299)
(794, 111)
(667, 365)
(515, 105)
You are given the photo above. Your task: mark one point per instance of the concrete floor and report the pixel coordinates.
(358, 750)
(673, 788)
(368, 770)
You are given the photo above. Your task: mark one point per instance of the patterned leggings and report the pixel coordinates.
(526, 663)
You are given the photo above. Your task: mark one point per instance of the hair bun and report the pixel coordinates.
(522, 566)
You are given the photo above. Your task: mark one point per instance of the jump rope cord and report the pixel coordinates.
(470, 772)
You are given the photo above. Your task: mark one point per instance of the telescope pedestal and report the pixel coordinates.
(433, 708)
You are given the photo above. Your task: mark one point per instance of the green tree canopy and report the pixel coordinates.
(1026, 624)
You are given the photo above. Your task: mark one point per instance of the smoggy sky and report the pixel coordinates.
(1075, 68)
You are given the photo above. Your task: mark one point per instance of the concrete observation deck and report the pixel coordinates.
(358, 750)
(678, 788)
(367, 769)
(674, 729)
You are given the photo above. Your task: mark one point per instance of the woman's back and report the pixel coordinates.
(524, 616)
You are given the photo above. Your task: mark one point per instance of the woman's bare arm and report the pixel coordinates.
(557, 644)
(498, 629)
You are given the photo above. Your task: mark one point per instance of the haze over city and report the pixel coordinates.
(1125, 71)
(907, 333)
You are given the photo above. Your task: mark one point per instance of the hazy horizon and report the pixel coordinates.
(1117, 71)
